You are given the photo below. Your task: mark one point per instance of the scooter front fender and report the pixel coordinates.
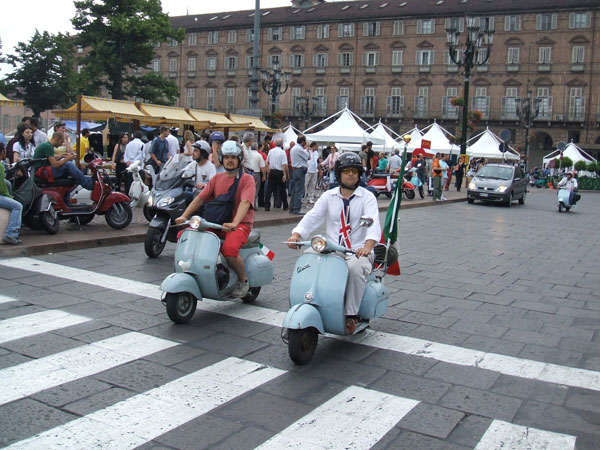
(181, 282)
(112, 198)
(303, 316)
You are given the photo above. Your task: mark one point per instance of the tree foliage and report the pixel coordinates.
(566, 162)
(120, 36)
(581, 165)
(44, 75)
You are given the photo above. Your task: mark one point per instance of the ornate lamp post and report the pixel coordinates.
(304, 108)
(527, 112)
(477, 41)
(273, 85)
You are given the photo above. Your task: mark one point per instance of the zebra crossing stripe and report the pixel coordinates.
(507, 435)
(139, 419)
(36, 323)
(6, 299)
(356, 418)
(507, 365)
(34, 376)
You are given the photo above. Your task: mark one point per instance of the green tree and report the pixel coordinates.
(120, 36)
(593, 167)
(580, 165)
(565, 163)
(44, 76)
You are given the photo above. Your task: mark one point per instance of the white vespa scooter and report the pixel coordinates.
(317, 293)
(201, 271)
(138, 192)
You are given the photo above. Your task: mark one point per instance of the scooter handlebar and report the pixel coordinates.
(199, 223)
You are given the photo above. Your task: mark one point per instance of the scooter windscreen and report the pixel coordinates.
(171, 173)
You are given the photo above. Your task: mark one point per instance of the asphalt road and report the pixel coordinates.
(491, 340)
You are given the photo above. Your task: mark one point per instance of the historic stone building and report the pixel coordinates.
(388, 60)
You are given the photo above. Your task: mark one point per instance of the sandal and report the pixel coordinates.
(351, 325)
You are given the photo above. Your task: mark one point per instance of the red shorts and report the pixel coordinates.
(234, 240)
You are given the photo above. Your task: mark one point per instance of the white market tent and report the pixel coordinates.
(380, 130)
(415, 139)
(573, 152)
(345, 130)
(289, 134)
(440, 143)
(487, 145)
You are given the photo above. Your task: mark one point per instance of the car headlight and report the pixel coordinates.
(501, 189)
(165, 202)
(318, 244)
(472, 185)
(195, 222)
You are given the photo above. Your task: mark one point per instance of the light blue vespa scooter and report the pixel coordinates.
(201, 271)
(564, 200)
(317, 294)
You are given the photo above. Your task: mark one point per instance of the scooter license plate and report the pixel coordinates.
(484, 195)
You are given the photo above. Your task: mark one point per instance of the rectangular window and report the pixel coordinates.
(398, 29)
(546, 21)
(485, 23)
(345, 30)
(425, 26)
(513, 55)
(171, 42)
(509, 103)
(397, 58)
(274, 61)
(578, 54)
(320, 102)
(296, 102)
(191, 97)
(320, 60)
(343, 100)
(275, 34)
(249, 98)
(481, 101)
(371, 59)
(249, 60)
(323, 31)
(576, 104)
(232, 37)
(213, 37)
(192, 39)
(424, 57)
(210, 99)
(367, 102)
(545, 56)
(579, 20)
(297, 32)
(544, 103)
(422, 102)
(172, 64)
(458, 56)
(458, 23)
(191, 64)
(79, 49)
(371, 29)
(230, 98)
(231, 63)
(297, 60)
(249, 35)
(346, 59)
(512, 23)
(449, 111)
(395, 103)
(211, 63)
(156, 65)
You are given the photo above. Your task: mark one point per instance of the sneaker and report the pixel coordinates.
(241, 289)
(12, 240)
(444, 198)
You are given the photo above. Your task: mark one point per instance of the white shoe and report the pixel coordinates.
(241, 289)
(444, 198)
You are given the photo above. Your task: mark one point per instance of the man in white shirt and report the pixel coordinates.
(172, 145)
(312, 173)
(134, 151)
(395, 163)
(278, 173)
(200, 169)
(299, 157)
(341, 208)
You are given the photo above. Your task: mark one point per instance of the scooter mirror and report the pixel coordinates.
(366, 221)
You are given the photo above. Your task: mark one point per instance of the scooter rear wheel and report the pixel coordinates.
(152, 244)
(49, 221)
(302, 344)
(252, 294)
(181, 306)
(410, 194)
(119, 215)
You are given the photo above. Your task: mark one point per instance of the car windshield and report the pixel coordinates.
(495, 172)
(171, 173)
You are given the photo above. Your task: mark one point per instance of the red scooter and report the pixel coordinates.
(114, 205)
(385, 184)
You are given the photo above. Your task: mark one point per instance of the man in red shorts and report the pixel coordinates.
(238, 229)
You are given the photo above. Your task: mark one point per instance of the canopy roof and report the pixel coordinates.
(248, 123)
(415, 139)
(94, 108)
(438, 137)
(573, 152)
(345, 129)
(487, 145)
(5, 101)
(390, 144)
(288, 135)
(218, 120)
(169, 115)
(72, 125)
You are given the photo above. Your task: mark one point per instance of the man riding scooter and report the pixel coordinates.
(342, 208)
(229, 200)
(570, 184)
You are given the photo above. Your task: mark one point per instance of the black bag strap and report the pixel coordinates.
(234, 186)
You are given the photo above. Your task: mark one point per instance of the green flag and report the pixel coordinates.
(390, 228)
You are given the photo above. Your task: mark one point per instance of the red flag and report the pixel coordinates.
(425, 144)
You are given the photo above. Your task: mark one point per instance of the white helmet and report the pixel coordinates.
(230, 148)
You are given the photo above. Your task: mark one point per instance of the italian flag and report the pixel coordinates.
(266, 251)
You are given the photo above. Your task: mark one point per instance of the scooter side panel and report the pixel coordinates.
(375, 300)
(199, 251)
(563, 196)
(259, 268)
(303, 316)
(181, 282)
(322, 277)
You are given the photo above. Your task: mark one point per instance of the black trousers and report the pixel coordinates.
(276, 184)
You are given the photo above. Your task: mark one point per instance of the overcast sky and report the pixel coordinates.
(19, 20)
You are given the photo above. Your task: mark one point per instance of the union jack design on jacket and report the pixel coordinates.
(345, 228)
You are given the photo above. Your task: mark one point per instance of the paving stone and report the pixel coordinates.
(482, 403)
(13, 359)
(400, 362)
(200, 433)
(583, 399)
(71, 392)
(174, 355)
(502, 310)
(490, 328)
(560, 419)
(457, 303)
(346, 372)
(431, 420)
(135, 320)
(469, 431)
(56, 300)
(248, 438)
(408, 386)
(76, 288)
(99, 401)
(492, 299)
(229, 344)
(41, 345)
(531, 389)
(20, 311)
(441, 335)
(112, 297)
(181, 333)
(238, 327)
(549, 318)
(345, 350)
(463, 375)
(81, 328)
(532, 337)
(448, 292)
(579, 313)
(139, 375)
(94, 310)
(517, 323)
(408, 440)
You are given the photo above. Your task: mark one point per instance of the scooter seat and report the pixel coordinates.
(379, 175)
(253, 239)
(62, 181)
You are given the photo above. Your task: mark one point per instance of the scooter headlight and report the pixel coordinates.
(150, 200)
(165, 202)
(195, 222)
(472, 186)
(318, 244)
(501, 189)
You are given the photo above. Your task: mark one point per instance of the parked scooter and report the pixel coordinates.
(385, 184)
(113, 205)
(166, 202)
(201, 271)
(38, 208)
(317, 293)
(138, 192)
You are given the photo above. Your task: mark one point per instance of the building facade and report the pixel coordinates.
(389, 60)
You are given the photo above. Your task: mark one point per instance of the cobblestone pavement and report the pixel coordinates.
(491, 340)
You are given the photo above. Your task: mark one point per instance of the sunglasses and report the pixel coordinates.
(350, 170)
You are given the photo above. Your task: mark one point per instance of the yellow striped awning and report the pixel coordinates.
(168, 115)
(96, 108)
(217, 120)
(248, 122)
(5, 101)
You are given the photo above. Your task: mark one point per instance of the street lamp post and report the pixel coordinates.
(273, 85)
(527, 112)
(304, 108)
(476, 41)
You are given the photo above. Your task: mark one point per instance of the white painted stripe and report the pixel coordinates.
(510, 436)
(139, 419)
(34, 376)
(36, 323)
(6, 299)
(507, 365)
(356, 418)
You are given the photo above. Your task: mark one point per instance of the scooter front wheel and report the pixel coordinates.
(181, 306)
(251, 295)
(49, 221)
(410, 194)
(152, 244)
(302, 344)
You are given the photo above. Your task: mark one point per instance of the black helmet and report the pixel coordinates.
(345, 160)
